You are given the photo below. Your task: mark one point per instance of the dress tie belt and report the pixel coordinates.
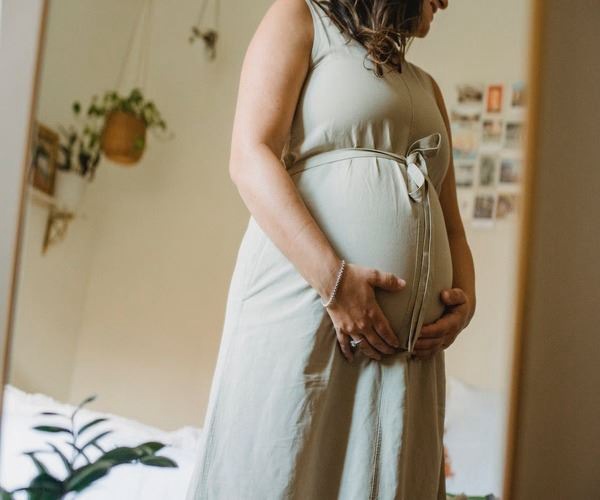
(418, 186)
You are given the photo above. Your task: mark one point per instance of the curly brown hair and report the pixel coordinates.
(384, 27)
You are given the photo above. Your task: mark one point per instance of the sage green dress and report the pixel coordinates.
(288, 417)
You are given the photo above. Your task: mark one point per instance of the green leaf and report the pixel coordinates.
(51, 413)
(93, 440)
(45, 487)
(86, 475)
(150, 447)
(122, 454)
(52, 428)
(38, 465)
(87, 400)
(76, 107)
(158, 461)
(91, 424)
(64, 459)
(5, 495)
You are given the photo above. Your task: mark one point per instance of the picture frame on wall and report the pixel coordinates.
(43, 158)
(495, 94)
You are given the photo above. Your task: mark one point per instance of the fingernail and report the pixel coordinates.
(401, 282)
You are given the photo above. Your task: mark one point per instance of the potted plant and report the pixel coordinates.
(78, 157)
(81, 470)
(126, 120)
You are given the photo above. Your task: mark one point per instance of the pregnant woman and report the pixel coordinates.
(354, 273)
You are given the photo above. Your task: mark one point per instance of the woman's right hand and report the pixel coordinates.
(356, 314)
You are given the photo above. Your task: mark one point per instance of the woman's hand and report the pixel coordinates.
(441, 333)
(356, 314)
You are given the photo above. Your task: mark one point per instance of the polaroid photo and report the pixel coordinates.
(483, 209)
(465, 116)
(507, 205)
(513, 134)
(470, 94)
(465, 203)
(494, 98)
(518, 96)
(488, 170)
(491, 132)
(464, 173)
(510, 170)
(466, 131)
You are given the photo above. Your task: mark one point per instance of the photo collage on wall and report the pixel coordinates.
(487, 124)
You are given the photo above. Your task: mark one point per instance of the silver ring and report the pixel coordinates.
(354, 343)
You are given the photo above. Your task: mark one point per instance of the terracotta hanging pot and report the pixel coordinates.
(123, 138)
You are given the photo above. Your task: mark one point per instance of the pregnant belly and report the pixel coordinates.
(363, 207)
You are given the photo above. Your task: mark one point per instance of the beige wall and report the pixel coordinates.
(558, 424)
(155, 254)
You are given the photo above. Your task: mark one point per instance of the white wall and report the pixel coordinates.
(157, 249)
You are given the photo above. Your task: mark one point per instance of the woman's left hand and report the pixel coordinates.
(441, 333)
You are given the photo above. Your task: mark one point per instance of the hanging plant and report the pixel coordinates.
(209, 36)
(126, 120)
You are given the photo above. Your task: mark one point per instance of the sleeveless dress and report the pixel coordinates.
(288, 417)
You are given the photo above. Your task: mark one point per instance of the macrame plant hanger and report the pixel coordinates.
(139, 43)
(210, 35)
(124, 134)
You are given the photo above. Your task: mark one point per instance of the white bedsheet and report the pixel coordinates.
(474, 438)
(124, 482)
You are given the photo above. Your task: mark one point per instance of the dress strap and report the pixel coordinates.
(326, 34)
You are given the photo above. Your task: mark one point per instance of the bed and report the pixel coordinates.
(473, 440)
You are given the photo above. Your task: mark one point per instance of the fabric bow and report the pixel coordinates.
(416, 169)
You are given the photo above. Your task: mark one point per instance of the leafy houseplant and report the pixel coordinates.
(123, 138)
(45, 486)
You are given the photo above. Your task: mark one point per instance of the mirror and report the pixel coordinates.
(132, 229)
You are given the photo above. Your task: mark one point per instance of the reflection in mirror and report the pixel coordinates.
(126, 302)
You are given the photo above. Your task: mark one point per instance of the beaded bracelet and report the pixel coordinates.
(337, 282)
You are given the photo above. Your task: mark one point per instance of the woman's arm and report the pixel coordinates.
(273, 73)
(462, 259)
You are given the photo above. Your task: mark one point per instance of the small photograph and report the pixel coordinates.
(465, 203)
(491, 131)
(518, 96)
(514, 135)
(465, 116)
(510, 170)
(464, 172)
(494, 98)
(465, 139)
(483, 210)
(470, 94)
(43, 158)
(506, 205)
(488, 167)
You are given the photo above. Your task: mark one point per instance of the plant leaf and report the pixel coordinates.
(5, 495)
(86, 475)
(38, 465)
(122, 454)
(64, 459)
(93, 440)
(150, 447)
(91, 424)
(52, 428)
(158, 461)
(45, 487)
